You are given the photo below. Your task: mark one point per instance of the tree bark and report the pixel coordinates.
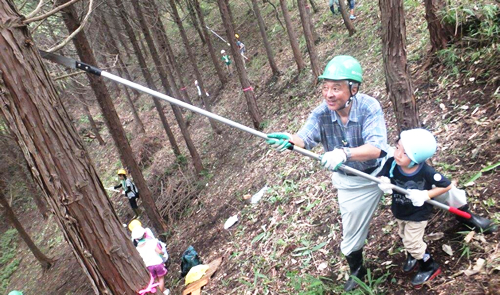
(345, 16)
(398, 81)
(194, 21)
(313, 5)
(147, 75)
(86, 54)
(240, 67)
(112, 48)
(164, 44)
(211, 50)
(311, 48)
(292, 36)
(263, 34)
(45, 262)
(92, 123)
(192, 60)
(163, 78)
(61, 165)
(440, 34)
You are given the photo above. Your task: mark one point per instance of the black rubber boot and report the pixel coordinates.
(478, 223)
(355, 261)
(410, 264)
(332, 9)
(427, 271)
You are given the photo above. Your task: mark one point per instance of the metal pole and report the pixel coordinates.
(264, 136)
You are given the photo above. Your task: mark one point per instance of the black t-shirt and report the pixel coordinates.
(422, 179)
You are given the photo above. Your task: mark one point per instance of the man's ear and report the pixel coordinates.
(354, 88)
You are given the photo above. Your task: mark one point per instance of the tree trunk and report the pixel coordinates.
(313, 5)
(240, 67)
(86, 54)
(93, 125)
(45, 262)
(164, 44)
(398, 82)
(211, 50)
(194, 21)
(147, 75)
(440, 34)
(112, 48)
(192, 59)
(263, 34)
(311, 48)
(345, 16)
(36, 194)
(61, 165)
(292, 36)
(163, 78)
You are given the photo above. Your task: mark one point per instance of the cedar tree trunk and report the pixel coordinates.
(263, 34)
(292, 36)
(397, 74)
(61, 165)
(86, 54)
(311, 48)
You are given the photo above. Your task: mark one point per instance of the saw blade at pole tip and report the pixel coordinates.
(62, 60)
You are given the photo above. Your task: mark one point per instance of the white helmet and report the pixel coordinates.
(222, 51)
(419, 144)
(138, 233)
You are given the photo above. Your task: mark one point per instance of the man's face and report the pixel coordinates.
(335, 93)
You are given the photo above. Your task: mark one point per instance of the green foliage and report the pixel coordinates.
(479, 27)
(8, 266)
(373, 285)
(307, 284)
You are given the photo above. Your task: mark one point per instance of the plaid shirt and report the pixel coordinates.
(366, 125)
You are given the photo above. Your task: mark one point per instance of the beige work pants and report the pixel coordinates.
(412, 234)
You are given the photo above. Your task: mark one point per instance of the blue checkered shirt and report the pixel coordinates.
(366, 125)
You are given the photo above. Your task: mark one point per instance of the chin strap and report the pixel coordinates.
(350, 97)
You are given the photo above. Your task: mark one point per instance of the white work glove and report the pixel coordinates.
(385, 185)
(418, 197)
(332, 160)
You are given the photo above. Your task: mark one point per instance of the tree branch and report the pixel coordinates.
(30, 19)
(37, 9)
(82, 24)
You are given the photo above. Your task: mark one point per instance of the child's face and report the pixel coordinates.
(400, 156)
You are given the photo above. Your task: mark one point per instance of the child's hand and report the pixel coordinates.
(418, 197)
(385, 185)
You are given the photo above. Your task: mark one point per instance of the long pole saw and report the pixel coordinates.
(213, 32)
(74, 64)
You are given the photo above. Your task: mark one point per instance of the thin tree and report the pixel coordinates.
(440, 33)
(61, 164)
(112, 48)
(147, 75)
(194, 20)
(45, 262)
(397, 75)
(308, 35)
(211, 50)
(263, 34)
(192, 61)
(165, 83)
(93, 125)
(240, 66)
(86, 55)
(164, 44)
(292, 36)
(345, 17)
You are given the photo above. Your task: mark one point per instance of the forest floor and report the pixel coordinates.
(288, 243)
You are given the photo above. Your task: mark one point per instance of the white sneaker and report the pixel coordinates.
(166, 292)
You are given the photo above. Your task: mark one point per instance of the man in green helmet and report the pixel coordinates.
(351, 127)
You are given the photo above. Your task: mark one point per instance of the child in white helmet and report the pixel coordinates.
(151, 254)
(407, 169)
(227, 61)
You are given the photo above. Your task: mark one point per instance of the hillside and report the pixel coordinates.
(288, 243)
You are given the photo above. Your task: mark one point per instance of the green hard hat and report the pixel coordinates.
(15, 292)
(343, 67)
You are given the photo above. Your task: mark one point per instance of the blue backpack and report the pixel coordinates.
(190, 258)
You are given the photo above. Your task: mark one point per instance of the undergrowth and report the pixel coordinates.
(8, 265)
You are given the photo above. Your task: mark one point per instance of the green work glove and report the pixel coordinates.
(280, 141)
